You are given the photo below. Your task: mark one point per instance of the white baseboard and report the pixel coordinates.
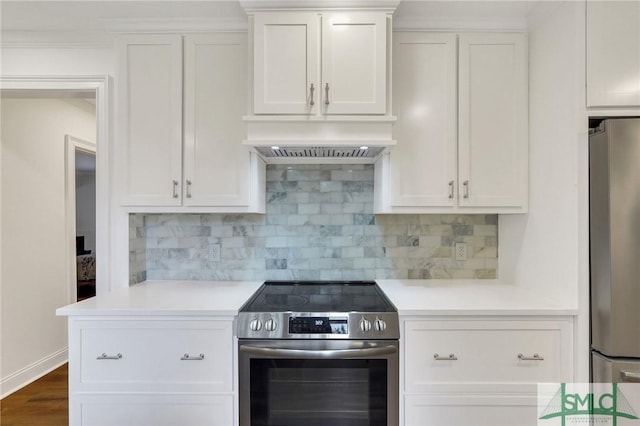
(32, 372)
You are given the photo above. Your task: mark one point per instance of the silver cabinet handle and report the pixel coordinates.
(465, 184)
(326, 94)
(451, 190)
(628, 376)
(322, 353)
(175, 189)
(535, 357)
(450, 357)
(188, 188)
(187, 357)
(105, 356)
(311, 90)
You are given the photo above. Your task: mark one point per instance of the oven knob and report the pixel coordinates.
(270, 324)
(255, 325)
(379, 325)
(365, 325)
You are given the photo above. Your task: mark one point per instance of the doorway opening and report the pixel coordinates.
(81, 205)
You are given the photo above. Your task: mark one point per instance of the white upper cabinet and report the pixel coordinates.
(205, 168)
(285, 68)
(354, 63)
(462, 132)
(217, 167)
(423, 165)
(613, 53)
(493, 124)
(311, 63)
(150, 105)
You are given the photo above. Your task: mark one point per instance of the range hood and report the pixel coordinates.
(296, 139)
(287, 154)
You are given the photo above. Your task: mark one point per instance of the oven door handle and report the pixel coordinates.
(324, 353)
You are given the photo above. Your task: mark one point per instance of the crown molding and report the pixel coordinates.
(264, 5)
(460, 24)
(103, 38)
(172, 25)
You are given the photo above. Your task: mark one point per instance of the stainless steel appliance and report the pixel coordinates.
(614, 190)
(317, 354)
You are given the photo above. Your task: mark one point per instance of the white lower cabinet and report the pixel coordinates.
(481, 371)
(151, 371)
(156, 410)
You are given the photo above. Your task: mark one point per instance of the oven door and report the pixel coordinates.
(318, 383)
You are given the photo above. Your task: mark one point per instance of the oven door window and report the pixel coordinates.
(313, 392)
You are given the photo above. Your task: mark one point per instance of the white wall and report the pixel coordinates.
(59, 61)
(34, 277)
(545, 250)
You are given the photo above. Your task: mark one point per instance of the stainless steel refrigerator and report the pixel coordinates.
(614, 221)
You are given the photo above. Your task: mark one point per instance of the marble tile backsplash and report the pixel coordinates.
(319, 224)
(137, 249)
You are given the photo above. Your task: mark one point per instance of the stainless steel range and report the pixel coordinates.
(318, 353)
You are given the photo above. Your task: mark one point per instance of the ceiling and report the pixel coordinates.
(92, 16)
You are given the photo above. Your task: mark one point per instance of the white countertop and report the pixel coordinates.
(217, 298)
(470, 297)
(411, 297)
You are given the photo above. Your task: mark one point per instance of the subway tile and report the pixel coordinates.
(485, 230)
(309, 209)
(330, 186)
(298, 220)
(348, 252)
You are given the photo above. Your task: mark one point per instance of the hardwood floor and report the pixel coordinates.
(42, 403)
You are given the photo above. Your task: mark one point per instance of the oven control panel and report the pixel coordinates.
(318, 325)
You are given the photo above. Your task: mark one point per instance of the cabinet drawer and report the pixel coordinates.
(475, 410)
(485, 353)
(147, 410)
(159, 356)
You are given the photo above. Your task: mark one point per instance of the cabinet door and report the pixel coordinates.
(135, 409)
(487, 355)
(148, 356)
(216, 163)
(613, 53)
(150, 115)
(423, 164)
(286, 63)
(354, 56)
(492, 136)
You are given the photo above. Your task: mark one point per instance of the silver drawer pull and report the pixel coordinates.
(535, 357)
(311, 90)
(186, 357)
(451, 357)
(175, 188)
(105, 356)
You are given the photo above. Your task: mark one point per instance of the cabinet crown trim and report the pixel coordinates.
(282, 5)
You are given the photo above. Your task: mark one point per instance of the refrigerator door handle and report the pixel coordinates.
(630, 377)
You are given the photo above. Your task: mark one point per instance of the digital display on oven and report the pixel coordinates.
(318, 325)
